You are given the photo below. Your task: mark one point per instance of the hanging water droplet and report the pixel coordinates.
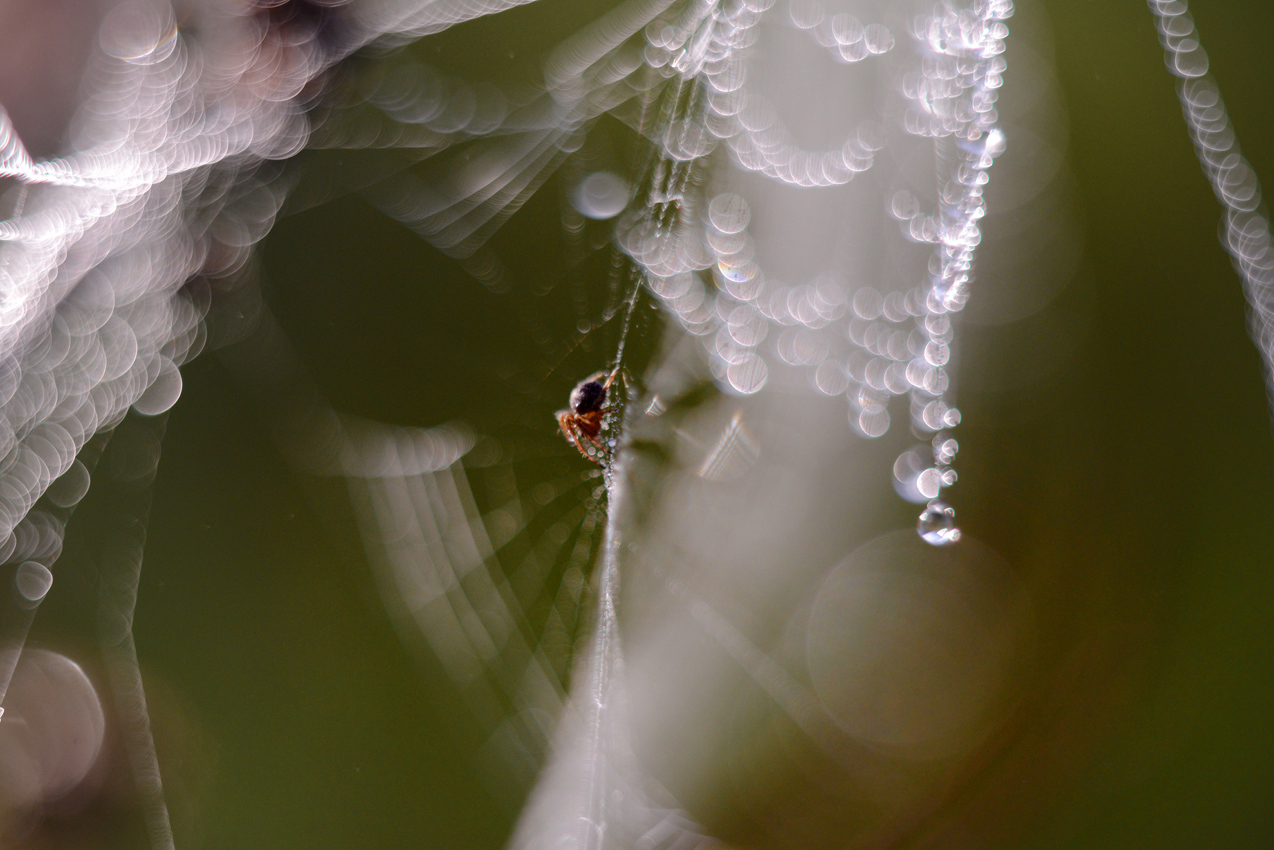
(936, 525)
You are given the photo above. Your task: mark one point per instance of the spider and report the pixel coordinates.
(582, 421)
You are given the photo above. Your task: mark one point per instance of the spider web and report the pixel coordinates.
(502, 564)
(93, 231)
(592, 792)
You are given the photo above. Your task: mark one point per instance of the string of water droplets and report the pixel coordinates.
(955, 96)
(855, 342)
(1246, 226)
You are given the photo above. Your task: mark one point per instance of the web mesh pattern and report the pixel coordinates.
(508, 573)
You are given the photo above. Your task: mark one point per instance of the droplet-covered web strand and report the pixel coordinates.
(898, 343)
(953, 101)
(1246, 227)
(582, 421)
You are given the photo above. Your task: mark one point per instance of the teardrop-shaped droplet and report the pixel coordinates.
(936, 525)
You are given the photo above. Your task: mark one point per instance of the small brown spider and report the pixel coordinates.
(582, 421)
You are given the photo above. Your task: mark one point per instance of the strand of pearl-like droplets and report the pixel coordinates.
(1247, 227)
(961, 107)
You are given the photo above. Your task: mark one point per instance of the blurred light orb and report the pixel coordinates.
(871, 422)
(601, 195)
(748, 375)
(996, 143)
(830, 378)
(70, 486)
(911, 648)
(915, 480)
(163, 393)
(729, 213)
(140, 32)
(32, 581)
(50, 737)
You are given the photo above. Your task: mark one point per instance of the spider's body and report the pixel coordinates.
(581, 422)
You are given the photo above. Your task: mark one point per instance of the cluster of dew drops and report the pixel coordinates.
(870, 356)
(888, 344)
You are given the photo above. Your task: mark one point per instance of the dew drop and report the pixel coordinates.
(936, 524)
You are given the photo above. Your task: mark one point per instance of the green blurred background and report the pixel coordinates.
(288, 714)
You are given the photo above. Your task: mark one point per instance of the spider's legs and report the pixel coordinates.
(568, 431)
(576, 437)
(592, 440)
